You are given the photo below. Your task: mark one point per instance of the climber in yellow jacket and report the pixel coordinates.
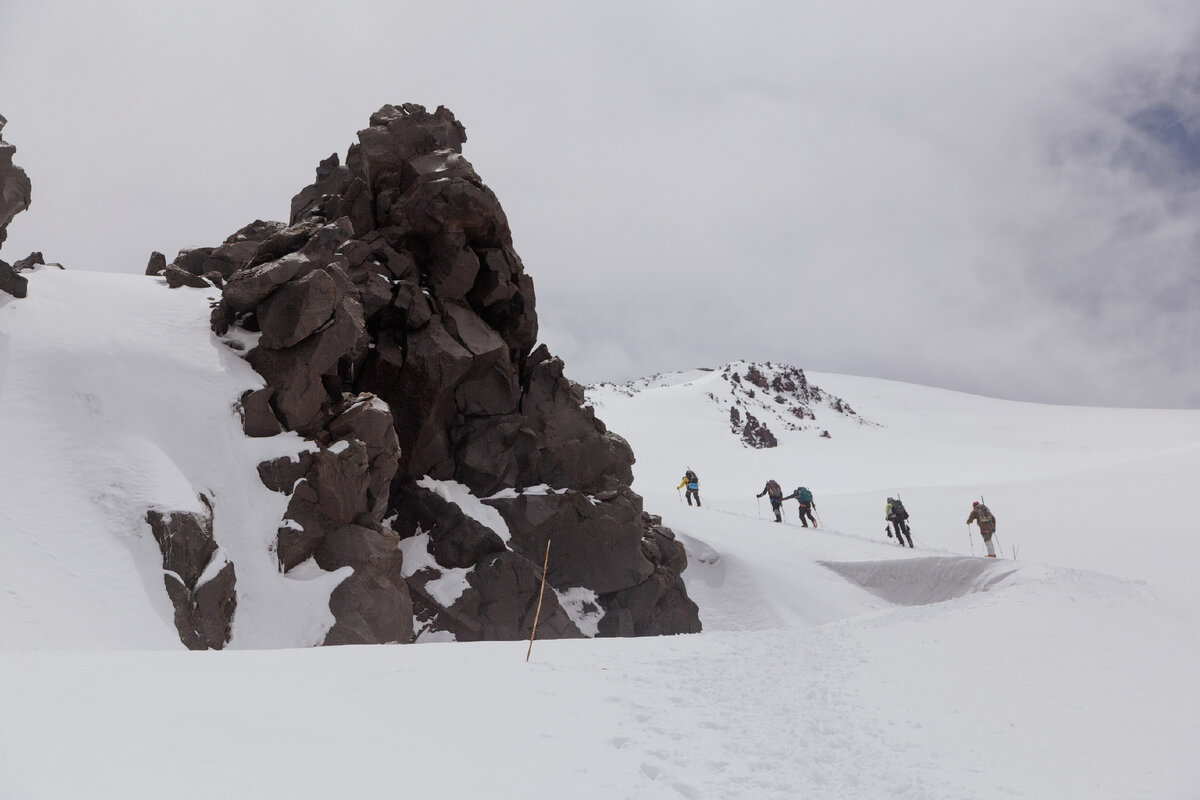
(693, 486)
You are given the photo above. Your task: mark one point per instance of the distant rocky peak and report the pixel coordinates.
(759, 398)
(765, 394)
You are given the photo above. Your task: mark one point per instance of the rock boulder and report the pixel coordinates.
(397, 334)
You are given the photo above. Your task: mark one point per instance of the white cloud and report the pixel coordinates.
(938, 192)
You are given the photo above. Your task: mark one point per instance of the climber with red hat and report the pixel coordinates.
(986, 520)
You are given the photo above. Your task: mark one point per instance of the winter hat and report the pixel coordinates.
(975, 504)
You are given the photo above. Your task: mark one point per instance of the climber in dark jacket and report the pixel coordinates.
(898, 516)
(805, 499)
(773, 491)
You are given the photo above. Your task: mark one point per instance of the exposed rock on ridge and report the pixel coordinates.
(15, 196)
(397, 333)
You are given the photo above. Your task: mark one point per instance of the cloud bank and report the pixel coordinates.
(997, 199)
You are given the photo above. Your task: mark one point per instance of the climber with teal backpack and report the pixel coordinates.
(693, 486)
(804, 498)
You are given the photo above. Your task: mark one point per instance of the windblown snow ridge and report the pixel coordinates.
(922, 581)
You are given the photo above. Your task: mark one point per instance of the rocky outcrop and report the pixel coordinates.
(15, 188)
(14, 198)
(199, 579)
(397, 334)
(339, 495)
(12, 282)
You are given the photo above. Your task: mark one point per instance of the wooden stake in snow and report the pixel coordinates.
(541, 593)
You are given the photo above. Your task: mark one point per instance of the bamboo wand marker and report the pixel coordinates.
(541, 593)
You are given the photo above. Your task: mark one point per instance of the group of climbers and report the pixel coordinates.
(980, 514)
(895, 513)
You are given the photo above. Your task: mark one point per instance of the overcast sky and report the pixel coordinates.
(1002, 198)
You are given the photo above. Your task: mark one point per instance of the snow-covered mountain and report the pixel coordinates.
(833, 664)
(758, 399)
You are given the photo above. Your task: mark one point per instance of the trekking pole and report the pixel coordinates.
(541, 593)
(970, 539)
(999, 549)
(759, 501)
(680, 494)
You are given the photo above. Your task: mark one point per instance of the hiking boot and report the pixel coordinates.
(991, 555)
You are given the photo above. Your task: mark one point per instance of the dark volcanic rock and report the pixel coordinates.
(596, 544)
(455, 540)
(298, 310)
(11, 282)
(654, 607)
(575, 448)
(258, 417)
(157, 264)
(186, 542)
(301, 374)
(500, 603)
(418, 381)
(757, 434)
(199, 579)
(246, 289)
(177, 277)
(15, 189)
(281, 474)
(346, 483)
(372, 606)
(367, 421)
(397, 333)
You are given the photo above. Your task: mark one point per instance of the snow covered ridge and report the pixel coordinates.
(757, 398)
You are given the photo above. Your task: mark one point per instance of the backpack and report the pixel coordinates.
(691, 478)
(804, 495)
(773, 490)
(898, 509)
(983, 513)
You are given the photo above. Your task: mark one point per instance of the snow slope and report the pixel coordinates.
(833, 663)
(1097, 488)
(115, 397)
